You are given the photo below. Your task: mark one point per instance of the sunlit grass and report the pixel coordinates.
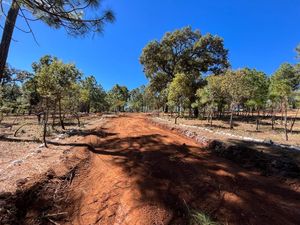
(200, 218)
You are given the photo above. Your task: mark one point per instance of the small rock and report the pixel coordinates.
(17, 162)
(21, 181)
(268, 141)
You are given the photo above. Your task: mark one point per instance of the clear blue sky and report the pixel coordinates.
(259, 34)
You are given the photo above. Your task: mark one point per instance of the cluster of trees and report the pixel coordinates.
(190, 72)
(54, 91)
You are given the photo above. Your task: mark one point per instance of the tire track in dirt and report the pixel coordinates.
(143, 174)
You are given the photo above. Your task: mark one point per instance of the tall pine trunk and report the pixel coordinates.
(7, 35)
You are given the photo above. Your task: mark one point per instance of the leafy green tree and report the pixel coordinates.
(136, 99)
(32, 96)
(117, 98)
(54, 79)
(257, 84)
(283, 83)
(152, 100)
(73, 16)
(72, 101)
(210, 96)
(11, 100)
(179, 92)
(236, 90)
(182, 51)
(93, 96)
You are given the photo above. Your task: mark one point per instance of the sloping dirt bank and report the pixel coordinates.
(143, 174)
(36, 189)
(42, 199)
(268, 159)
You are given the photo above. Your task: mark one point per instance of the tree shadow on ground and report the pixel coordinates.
(12, 139)
(179, 177)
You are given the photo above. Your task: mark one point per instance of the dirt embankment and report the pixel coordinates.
(40, 200)
(267, 158)
(35, 182)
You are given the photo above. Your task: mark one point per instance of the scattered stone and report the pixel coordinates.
(17, 162)
(21, 182)
(42, 145)
(268, 141)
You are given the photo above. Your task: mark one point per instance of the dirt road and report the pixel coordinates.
(142, 174)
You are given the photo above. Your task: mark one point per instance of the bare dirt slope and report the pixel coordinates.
(143, 174)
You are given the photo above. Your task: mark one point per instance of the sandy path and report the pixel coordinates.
(142, 174)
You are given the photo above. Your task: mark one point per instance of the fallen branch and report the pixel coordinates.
(15, 134)
(56, 214)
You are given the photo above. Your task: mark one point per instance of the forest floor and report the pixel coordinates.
(246, 127)
(23, 157)
(138, 172)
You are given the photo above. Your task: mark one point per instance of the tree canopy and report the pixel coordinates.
(182, 51)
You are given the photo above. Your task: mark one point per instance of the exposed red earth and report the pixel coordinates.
(143, 174)
(128, 170)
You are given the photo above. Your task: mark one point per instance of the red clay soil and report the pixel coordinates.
(143, 174)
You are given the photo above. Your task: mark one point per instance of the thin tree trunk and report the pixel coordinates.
(60, 117)
(273, 119)
(285, 123)
(281, 114)
(257, 121)
(53, 115)
(39, 117)
(231, 118)
(293, 121)
(176, 117)
(45, 124)
(7, 35)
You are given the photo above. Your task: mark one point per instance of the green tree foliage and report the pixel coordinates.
(179, 91)
(258, 85)
(11, 100)
(92, 96)
(54, 78)
(117, 98)
(73, 16)
(235, 88)
(182, 51)
(136, 100)
(210, 97)
(284, 82)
